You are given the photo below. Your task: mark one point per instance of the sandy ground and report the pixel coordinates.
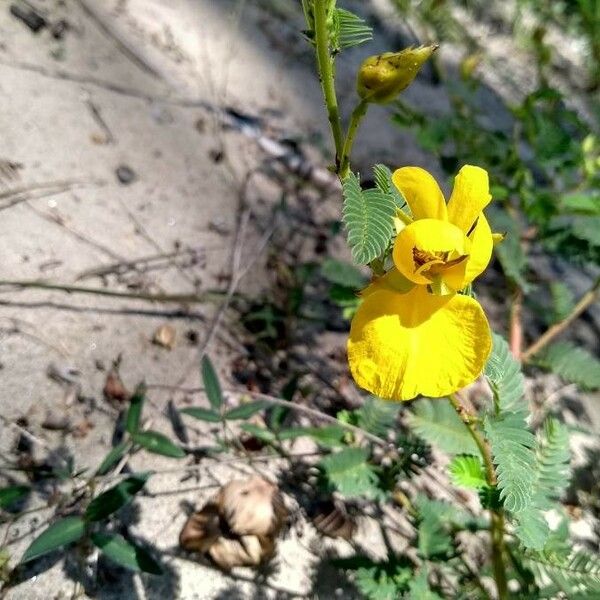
(129, 85)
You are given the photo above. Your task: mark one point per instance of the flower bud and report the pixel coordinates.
(382, 77)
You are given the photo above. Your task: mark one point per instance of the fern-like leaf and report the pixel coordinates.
(418, 588)
(467, 471)
(350, 30)
(572, 364)
(577, 575)
(368, 216)
(438, 424)
(504, 375)
(383, 180)
(511, 443)
(377, 416)
(350, 472)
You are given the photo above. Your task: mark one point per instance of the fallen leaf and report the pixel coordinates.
(114, 389)
(331, 519)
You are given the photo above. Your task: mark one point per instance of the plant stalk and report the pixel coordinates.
(585, 302)
(357, 114)
(326, 76)
(496, 516)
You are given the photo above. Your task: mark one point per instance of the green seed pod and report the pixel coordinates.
(382, 77)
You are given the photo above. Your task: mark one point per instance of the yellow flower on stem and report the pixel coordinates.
(413, 334)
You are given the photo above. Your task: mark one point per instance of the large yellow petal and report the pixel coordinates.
(471, 194)
(482, 244)
(403, 345)
(422, 193)
(440, 240)
(393, 280)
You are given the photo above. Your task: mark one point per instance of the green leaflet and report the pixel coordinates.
(438, 424)
(573, 364)
(383, 181)
(60, 533)
(467, 471)
(212, 387)
(377, 416)
(511, 443)
(504, 375)
(350, 30)
(126, 553)
(350, 472)
(368, 217)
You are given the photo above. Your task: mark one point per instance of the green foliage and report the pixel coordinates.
(504, 375)
(576, 574)
(116, 497)
(377, 416)
(438, 424)
(383, 180)
(343, 274)
(125, 553)
(350, 472)
(378, 580)
(245, 411)
(112, 458)
(573, 364)
(349, 30)
(212, 387)
(328, 436)
(12, 494)
(511, 443)
(202, 414)
(467, 471)
(418, 588)
(435, 520)
(61, 533)
(563, 301)
(368, 217)
(134, 413)
(157, 443)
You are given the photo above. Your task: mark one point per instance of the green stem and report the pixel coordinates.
(496, 516)
(326, 77)
(357, 114)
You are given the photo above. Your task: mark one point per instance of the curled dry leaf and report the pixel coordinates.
(164, 336)
(114, 389)
(238, 527)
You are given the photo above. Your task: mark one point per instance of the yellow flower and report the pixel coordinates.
(447, 246)
(404, 339)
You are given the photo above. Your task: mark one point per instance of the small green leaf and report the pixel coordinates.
(369, 217)
(212, 387)
(467, 471)
(116, 497)
(437, 423)
(563, 301)
(383, 180)
(418, 588)
(260, 433)
(532, 528)
(504, 375)
(113, 457)
(157, 443)
(136, 404)
(11, 494)
(126, 553)
(350, 472)
(571, 363)
(244, 411)
(203, 414)
(343, 273)
(435, 518)
(59, 534)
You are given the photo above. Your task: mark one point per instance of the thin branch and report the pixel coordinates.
(584, 303)
(73, 289)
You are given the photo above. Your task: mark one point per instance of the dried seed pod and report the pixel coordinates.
(201, 530)
(239, 525)
(252, 507)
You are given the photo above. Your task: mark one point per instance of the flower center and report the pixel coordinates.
(433, 263)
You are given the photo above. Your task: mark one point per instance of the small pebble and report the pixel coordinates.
(125, 174)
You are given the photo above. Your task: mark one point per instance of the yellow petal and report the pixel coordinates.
(435, 238)
(393, 280)
(403, 345)
(422, 193)
(482, 244)
(471, 194)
